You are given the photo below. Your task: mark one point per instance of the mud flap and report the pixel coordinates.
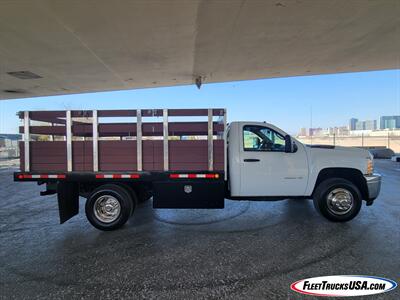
(68, 200)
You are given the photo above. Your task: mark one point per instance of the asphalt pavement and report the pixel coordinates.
(249, 250)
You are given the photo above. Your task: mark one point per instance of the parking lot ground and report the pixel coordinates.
(247, 250)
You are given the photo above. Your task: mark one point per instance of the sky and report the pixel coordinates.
(289, 103)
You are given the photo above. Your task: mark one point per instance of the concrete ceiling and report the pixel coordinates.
(100, 45)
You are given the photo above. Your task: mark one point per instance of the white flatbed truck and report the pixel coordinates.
(184, 164)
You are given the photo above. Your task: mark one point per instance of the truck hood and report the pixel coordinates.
(341, 148)
(353, 151)
(321, 157)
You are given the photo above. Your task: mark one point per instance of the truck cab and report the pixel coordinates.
(267, 163)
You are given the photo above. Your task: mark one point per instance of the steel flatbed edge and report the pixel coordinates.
(120, 176)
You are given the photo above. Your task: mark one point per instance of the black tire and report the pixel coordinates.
(126, 206)
(323, 205)
(133, 195)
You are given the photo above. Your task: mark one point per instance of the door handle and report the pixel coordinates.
(251, 160)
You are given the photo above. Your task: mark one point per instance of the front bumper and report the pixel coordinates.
(374, 186)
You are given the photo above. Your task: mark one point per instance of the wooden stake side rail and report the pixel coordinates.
(54, 116)
(79, 141)
(128, 129)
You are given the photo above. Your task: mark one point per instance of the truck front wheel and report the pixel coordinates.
(109, 207)
(337, 199)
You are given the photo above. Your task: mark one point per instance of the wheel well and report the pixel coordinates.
(352, 175)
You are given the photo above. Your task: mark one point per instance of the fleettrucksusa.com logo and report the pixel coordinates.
(343, 285)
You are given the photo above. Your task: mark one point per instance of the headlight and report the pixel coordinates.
(370, 166)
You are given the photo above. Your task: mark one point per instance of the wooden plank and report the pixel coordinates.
(118, 160)
(117, 129)
(124, 144)
(121, 154)
(117, 113)
(83, 159)
(49, 167)
(180, 128)
(194, 112)
(189, 166)
(218, 112)
(51, 120)
(48, 156)
(120, 150)
(152, 129)
(48, 160)
(152, 112)
(48, 148)
(153, 157)
(218, 166)
(82, 147)
(219, 152)
(193, 128)
(115, 167)
(48, 152)
(81, 129)
(87, 167)
(37, 115)
(47, 130)
(81, 113)
(188, 151)
(21, 155)
(187, 112)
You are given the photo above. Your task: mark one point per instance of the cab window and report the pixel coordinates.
(259, 138)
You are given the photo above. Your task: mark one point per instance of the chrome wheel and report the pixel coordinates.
(107, 208)
(340, 201)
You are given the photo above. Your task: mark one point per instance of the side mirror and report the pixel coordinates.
(294, 149)
(290, 146)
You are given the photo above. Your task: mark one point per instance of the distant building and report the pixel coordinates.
(9, 145)
(315, 131)
(389, 122)
(370, 125)
(303, 132)
(330, 130)
(352, 123)
(360, 125)
(342, 130)
(366, 125)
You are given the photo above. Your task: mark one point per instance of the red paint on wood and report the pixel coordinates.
(116, 113)
(120, 154)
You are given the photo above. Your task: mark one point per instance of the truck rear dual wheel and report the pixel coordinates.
(337, 199)
(109, 207)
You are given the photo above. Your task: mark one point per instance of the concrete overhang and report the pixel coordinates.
(65, 47)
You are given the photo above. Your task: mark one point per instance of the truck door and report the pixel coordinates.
(266, 169)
